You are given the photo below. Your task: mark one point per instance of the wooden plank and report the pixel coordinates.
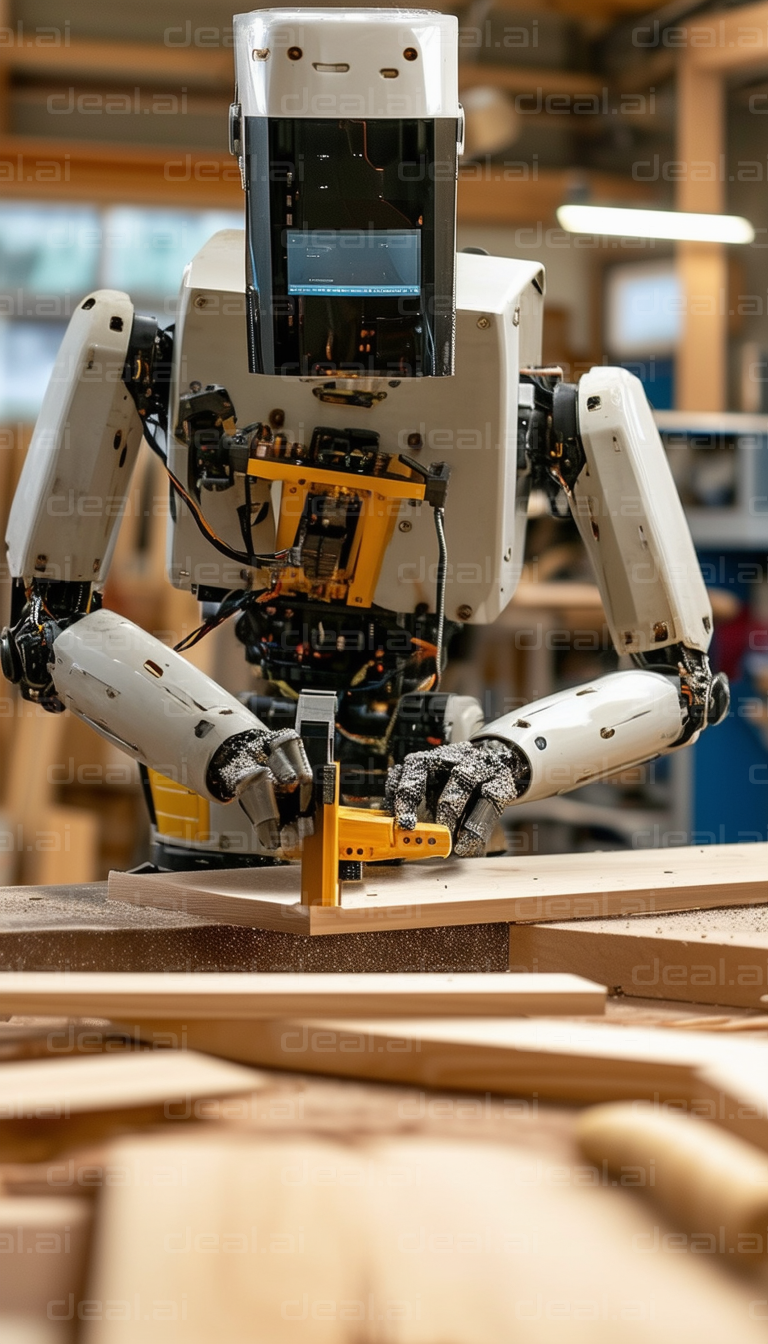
(50, 1089)
(718, 957)
(52, 1105)
(217, 997)
(392, 1239)
(468, 891)
(558, 1061)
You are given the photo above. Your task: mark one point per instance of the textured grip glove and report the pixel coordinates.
(465, 786)
(269, 774)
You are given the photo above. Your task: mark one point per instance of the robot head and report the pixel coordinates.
(346, 124)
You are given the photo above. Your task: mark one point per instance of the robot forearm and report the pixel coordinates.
(587, 732)
(168, 715)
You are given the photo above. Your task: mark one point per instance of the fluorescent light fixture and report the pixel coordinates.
(624, 223)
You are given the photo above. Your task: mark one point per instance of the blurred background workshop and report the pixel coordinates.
(114, 170)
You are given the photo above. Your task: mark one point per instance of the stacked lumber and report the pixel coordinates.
(374, 1157)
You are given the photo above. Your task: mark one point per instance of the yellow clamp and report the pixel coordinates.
(359, 835)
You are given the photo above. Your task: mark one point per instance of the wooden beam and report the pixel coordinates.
(728, 41)
(529, 79)
(701, 372)
(106, 173)
(212, 996)
(515, 193)
(122, 61)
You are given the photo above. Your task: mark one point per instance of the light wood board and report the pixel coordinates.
(56, 1089)
(397, 1240)
(718, 956)
(557, 1060)
(467, 891)
(214, 996)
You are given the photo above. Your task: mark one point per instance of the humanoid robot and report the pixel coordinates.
(351, 418)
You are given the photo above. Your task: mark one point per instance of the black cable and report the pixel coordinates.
(227, 608)
(241, 557)
(442, 573)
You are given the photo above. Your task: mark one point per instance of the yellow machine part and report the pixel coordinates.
(381, 497)
(359, 835)
(180, 813)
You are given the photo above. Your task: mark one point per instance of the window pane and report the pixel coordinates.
(146, 250)
(48, 250)
(27, 354)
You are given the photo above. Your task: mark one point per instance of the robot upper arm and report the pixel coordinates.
(627, 509)
(71, 496)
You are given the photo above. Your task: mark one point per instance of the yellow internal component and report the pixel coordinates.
(380, 498)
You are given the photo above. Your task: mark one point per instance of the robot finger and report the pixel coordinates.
(394, 775)
(463, 782)
(502, 789)
(288, 761)
(477, 830)
(411, 790)
(259, 804)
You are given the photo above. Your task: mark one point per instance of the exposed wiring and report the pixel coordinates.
(241, 557)
(442, 573)
(233, 602)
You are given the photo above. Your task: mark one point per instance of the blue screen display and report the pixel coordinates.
(354, 261)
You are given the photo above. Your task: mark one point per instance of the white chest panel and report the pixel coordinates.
(469, 421)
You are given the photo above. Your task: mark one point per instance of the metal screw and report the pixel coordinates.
(483, 323)
(200, 301)
(405, 526)
(607, 732)
(415, 441)
(516, 317)
(464, 612)
(277, 418)
(541, 742)
(260, 53)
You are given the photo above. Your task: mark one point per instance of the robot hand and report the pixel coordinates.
(269, 775)
(463, 785)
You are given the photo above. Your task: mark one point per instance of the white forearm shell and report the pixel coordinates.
(145, 698)
(593, 730)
